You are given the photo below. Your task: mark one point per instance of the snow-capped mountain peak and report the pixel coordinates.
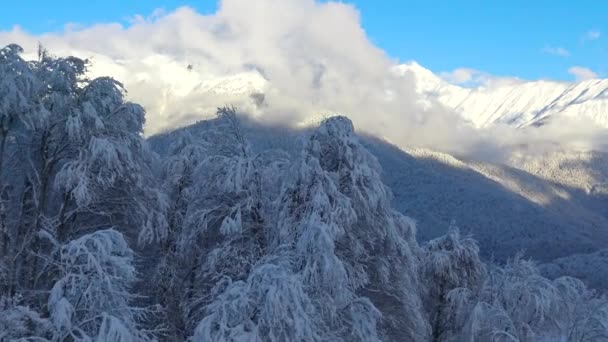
(426, 80)
(518, 103)
(484, 102)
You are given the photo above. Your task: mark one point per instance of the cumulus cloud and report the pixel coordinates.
(314, 54)
(556, 51)
(281, 61)
(592, 35)
(581, 73)
(308, 58)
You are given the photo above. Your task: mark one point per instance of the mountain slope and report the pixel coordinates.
(506, 209)
(518, 103)
(181, 89)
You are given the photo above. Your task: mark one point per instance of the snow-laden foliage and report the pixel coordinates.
(515, 303)
(72, 163)
(176, 172)
(228, 201)
(449, 262)
(19, 91)
(271, 305)
(175, 268)
(114, 329)
(235, 242)
(111, 156)
(92, 294)
(314, 216)
(216, 215)
(20, 322)
(349, 244)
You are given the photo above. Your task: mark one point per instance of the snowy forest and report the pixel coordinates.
(103, 238)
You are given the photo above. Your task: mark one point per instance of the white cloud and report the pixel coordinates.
(556, 51)
(315, 56)
(475, 78)
(310, 57)
(582, 73)
(592, 35)
(459, 75)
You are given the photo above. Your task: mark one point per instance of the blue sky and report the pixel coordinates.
(522, 38)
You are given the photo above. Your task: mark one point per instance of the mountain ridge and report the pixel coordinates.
(516, 102)
(483, 103)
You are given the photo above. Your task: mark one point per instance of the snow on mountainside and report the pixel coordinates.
(519, 103)
(587, 171)
(506, 209)
(195, 90)
(176, 93)
(183, 80)
(590, 268)
(552, 205)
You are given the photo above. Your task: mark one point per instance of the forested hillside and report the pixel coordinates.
(215, 239)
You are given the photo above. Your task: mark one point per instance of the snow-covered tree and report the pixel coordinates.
(73, 162)
(583, 313)
(20, 110)
(18, 322)
(228, 216)
(216, 188)
(313, 217)
(18, 90)
(227, 202)
(381, 240)
(515, 303)
(177, 172)
(271, 305)
(350, 246)
(92, 297)
(236, 244)
(449, 262)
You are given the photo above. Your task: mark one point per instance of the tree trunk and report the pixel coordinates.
(438, 329)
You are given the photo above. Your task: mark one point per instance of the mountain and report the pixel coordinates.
(177, 91)
(552, 206)
(546, 207)
(583, 170)
(215, 237)
(506, 209)
(195, 88)
(516, 102)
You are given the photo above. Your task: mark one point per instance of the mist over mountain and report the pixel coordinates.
(265, 172)
(292, 72)
(228, 230)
